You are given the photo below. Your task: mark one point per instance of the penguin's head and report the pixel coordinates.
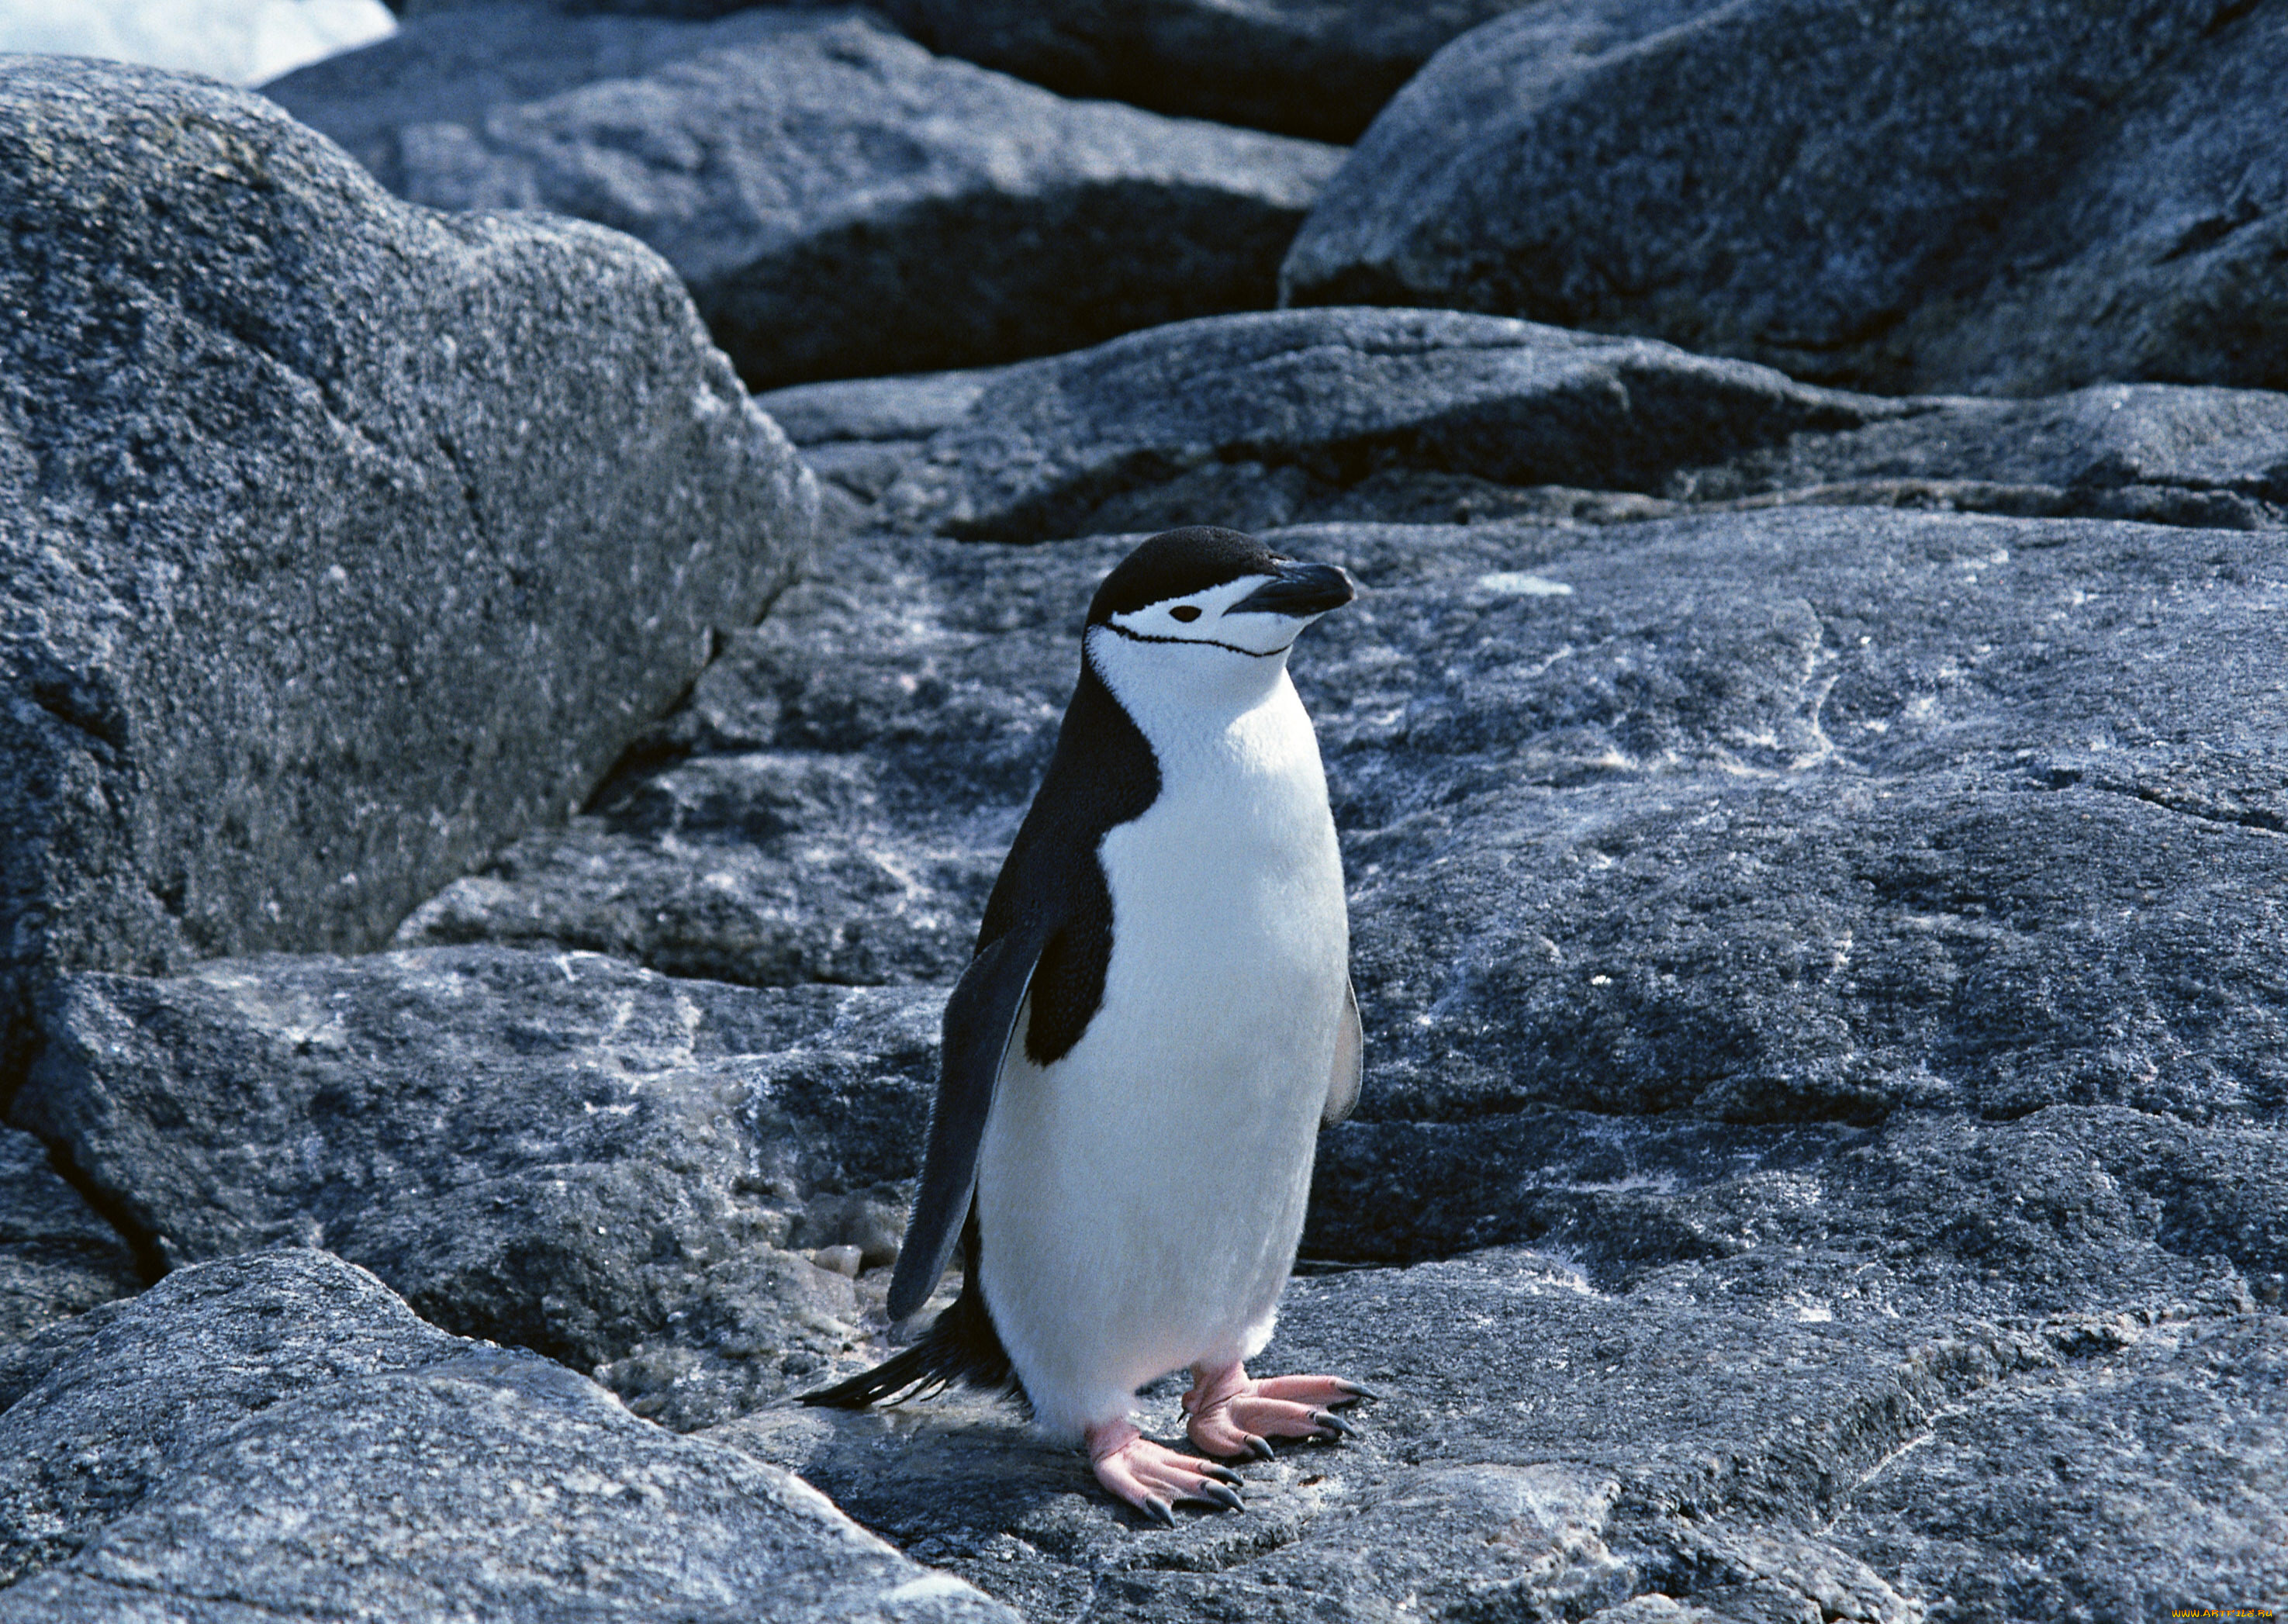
(1213, 596)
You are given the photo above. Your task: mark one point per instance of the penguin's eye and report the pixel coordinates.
(1185, 613)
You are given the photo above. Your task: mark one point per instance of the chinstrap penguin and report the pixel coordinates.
(1161, 988)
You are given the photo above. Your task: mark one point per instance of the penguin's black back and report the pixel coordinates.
(1102, 775)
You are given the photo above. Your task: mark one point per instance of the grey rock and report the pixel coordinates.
(1778, 819)
(2156, 258)
(2029, 196)
(1436, 416)
(858, 434)
(339, 542)
(1737, 1440)
(834, 802)
(58, 1257)
(2172, 1445)
(1320, 68)
(626, 1173)
(277, 1434)
(839, 201)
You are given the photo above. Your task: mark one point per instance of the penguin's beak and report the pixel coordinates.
(1300, 590)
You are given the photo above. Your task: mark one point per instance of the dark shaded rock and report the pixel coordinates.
(1320, 68)
(839, 201)
(277, 1434)
(1726, 1441)
(1163, 418)
(58, 1257)
(339, 542)
(626, 1173)
(2030, 196)
(1434, 417)
(858, 434)
(2159, 258)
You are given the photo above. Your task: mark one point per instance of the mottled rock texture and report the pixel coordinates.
(858, 434)
(624, 1172)
(58, 1257)
(1283, 418)
(1845, 943)
(2023, 197)
(839, 201)
(1784, 1436)
(339, 541)
(277, 1435)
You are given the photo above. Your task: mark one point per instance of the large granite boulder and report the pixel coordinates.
(339, 541)
(632, 1175)
(1320, 68)
(839, 201)
(2027, 196)
(277, 1435)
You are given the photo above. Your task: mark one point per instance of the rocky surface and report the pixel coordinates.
(629, 1174)
(58, 1257)
(858, 434)
(839, 201)
(2030, 196)
(278, 1434)
(1815, 926)
(1775, 1437)
(1815, 865)
(1320, 68)
(339, 542)
(1432, 415)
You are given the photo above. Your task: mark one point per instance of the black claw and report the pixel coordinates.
(1332, 1424)
(1216, 1494)
(1261, 1448)
(1159, 1511)
(1357, 1392)
(1224, 1474)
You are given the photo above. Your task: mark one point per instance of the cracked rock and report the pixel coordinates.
(1355, 414)
(2019, 198)
(58, 1258)
(277, 1435)
(839, 201)
(1776, 819)
(629, 1174)
(1699, 1448)
(339, 541)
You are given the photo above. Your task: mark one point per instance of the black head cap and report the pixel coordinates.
(1177, 563)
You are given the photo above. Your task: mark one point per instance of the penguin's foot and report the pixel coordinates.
(1155, 1480)
(1233, 1413)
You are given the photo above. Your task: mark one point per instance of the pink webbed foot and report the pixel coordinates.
(1232, 1414)
(1153, 1479)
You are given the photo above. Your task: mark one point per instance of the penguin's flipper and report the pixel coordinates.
(1350, 1061)
(980, 1020)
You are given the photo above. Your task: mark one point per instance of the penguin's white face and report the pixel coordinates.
(1212, 618)
(1216, 649)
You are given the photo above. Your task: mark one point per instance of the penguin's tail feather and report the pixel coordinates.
(960, 1345)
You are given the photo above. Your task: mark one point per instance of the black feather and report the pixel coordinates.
(960, 1346)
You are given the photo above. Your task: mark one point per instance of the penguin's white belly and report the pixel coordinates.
(1141, 1199)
